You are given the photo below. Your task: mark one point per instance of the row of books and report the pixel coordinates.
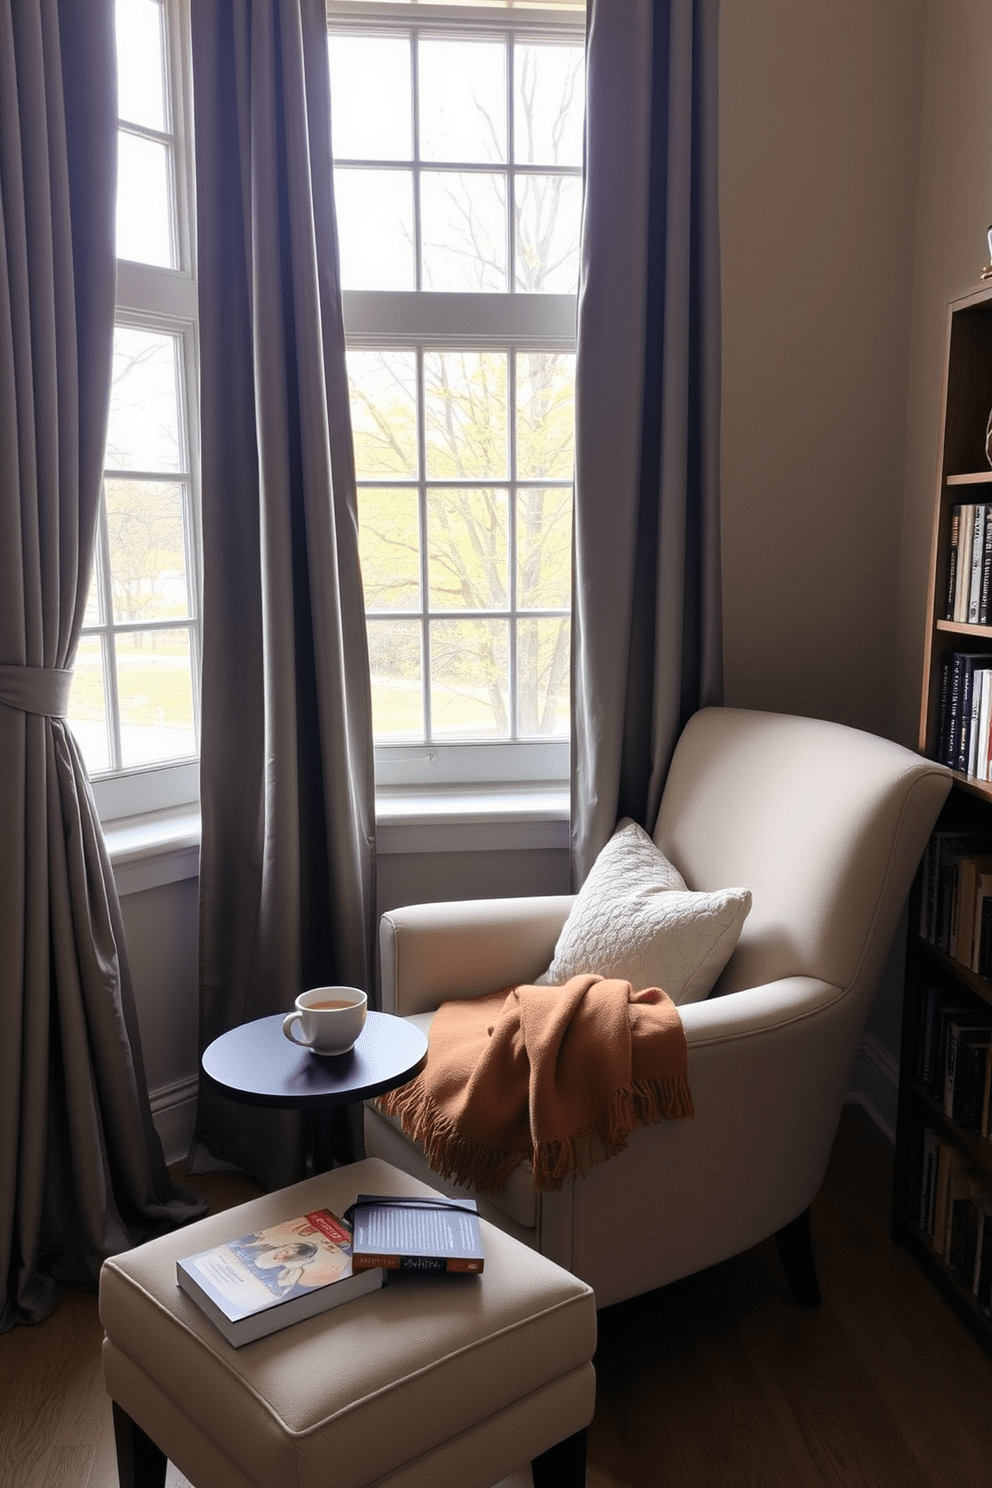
(969, 570)
(964, 729)
(259, 1283)
(956, 897)
(954, 1060)
(953, 1208)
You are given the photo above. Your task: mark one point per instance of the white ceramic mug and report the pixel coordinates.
(327, 1020)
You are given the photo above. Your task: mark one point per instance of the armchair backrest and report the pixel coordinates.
(823, 823)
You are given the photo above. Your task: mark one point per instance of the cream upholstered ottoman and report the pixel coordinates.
(430, 1382)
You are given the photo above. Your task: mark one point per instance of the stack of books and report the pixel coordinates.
(259, 1283)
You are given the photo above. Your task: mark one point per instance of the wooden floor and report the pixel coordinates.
(717, 1380)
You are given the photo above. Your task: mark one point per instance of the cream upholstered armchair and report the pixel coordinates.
(825, 825)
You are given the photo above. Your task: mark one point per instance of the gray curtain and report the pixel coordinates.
(81, 1168)
(287, 857)
(647, 635)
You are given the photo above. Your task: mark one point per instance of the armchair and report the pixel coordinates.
(825, 825)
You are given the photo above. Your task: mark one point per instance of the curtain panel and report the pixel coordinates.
(288, 845)
(81, 1169)
(647, 627)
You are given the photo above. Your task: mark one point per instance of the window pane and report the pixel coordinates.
(547, 104)
(155, 688)
(467, 549)
(88, 705)
(463, 101)
(465, 414)
(144, 429)
(542, 677)
(389, 543)
(383, 388)
(397, 686)
(463, 224)
(470, 679)
(140, 63)
(147, 535)
(545, 415)
(371, 109)
(375, 228)
(144, 201)
(544, 548)
(93, 614)
(547, 213)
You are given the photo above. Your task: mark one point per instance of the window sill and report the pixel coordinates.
(495, 818)
(163, 847)
(158, 847)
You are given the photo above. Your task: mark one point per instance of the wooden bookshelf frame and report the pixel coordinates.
(964, 475)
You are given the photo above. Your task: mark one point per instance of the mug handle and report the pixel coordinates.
(287, 1028)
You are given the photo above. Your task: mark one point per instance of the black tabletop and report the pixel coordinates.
(258, 1065)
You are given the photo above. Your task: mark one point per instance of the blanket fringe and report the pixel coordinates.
(647, 1103)
(486, 1169)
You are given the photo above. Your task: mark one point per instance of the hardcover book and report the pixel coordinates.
(259, 1283)
(417, 1234)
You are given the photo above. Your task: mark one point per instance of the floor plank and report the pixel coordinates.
(718, 1379)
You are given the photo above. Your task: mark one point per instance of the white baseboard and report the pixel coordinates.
(875, 1084)
(174, 1114)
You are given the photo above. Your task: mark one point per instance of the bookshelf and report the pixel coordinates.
(942, 1202)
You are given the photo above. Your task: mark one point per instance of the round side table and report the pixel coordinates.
(259, 1066)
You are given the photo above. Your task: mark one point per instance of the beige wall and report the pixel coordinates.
(820, 109)
(856, 159)
(955, 208)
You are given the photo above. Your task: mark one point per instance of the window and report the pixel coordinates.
(134, 697)
(458, 153)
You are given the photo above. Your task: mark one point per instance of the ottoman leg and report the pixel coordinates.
(563, 1465)
(140, 1463)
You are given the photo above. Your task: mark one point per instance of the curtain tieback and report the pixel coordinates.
(43, 690)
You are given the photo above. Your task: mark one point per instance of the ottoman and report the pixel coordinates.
(431, 1382)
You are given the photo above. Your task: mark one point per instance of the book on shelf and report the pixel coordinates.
(259, 1283)
(953, 559)
(417, 1233)
(966, 918)
(964, 1070)
(967, 1188)
(940, 878)
(977, 552)
(982, 1280)
(951, 1161)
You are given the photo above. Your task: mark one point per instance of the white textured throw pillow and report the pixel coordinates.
(634, 918)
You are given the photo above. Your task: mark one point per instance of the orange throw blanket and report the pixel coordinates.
(557, 1076)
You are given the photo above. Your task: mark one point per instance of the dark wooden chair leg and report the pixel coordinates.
(795, 1249)
(563, 1465)
(140, 1463)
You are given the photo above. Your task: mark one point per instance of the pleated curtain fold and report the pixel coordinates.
(82, 1174)
(287, 862)
(647, 627)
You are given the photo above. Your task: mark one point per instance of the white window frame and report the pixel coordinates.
(485, 321)
(165, 299)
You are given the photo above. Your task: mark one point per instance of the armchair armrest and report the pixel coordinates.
(431, 953)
